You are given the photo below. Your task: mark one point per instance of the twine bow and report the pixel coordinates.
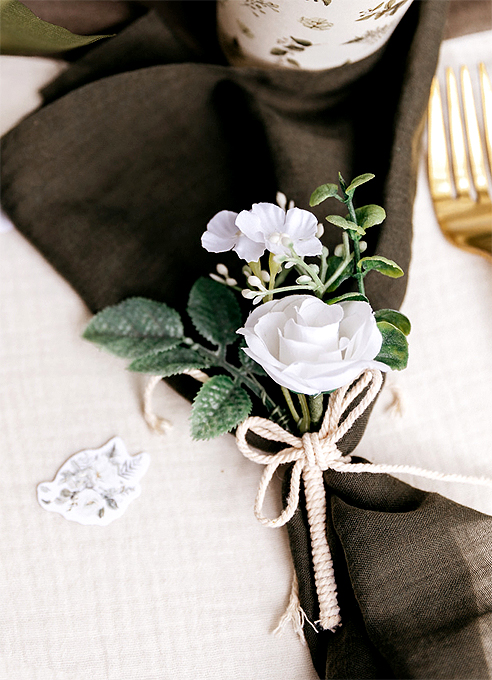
(311, 454)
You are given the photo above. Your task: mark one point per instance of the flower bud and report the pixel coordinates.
(339, 250)
(320, 231)
(303, 279)
(230, 281)
(222, 269)
(362, 246)
(248, 294)
(281, 200)
(255, 282)
(265, 276)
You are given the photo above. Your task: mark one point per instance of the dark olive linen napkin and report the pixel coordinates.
(138, 145)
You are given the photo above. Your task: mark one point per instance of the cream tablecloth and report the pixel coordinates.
(187, 583)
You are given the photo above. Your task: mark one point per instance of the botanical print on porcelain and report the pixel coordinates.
(95, 486)
(305, 34)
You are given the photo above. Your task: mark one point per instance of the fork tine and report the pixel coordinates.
(486, 109)
(439, 173)
(457, 136)
(473, 135)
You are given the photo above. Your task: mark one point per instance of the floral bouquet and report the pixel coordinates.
(308, 356)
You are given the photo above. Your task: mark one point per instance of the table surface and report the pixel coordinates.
(187, 583)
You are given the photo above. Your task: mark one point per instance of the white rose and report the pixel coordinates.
(309, 346)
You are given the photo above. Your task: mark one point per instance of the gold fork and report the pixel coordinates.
(465, 220)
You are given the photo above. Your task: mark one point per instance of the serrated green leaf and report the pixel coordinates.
(361, 179)
(214, 311)
(382, 265)
(348, 297)
(333, 263)
(345, 224)
(370, 215)
(170, 362)
(135, 327)
(219, 406)
(22, 31)
(395, 318)
(322, 193)
(394, 351)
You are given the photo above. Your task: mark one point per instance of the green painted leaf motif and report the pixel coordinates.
(348, 297)
(135, 327)
(395, 318)
(382, 265)
(170, 362)
(322, 193)
(22, 31)
(361, 179)
(219, 406)
(394, 351)
(301, 41)
(214, 311)
(345, 224)
(370, 215)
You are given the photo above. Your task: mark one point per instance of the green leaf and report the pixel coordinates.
(322, 193)
(370, 215)
(135, 327)
(333, 263)
(382, 265)
(395, 318)
(170, 362)
(348, 297)
(22, 31)
(361, 179)
(394, 351)
(215, 311)
(345, 224)
(219, 406)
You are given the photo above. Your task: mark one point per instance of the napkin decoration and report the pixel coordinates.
(142, 141)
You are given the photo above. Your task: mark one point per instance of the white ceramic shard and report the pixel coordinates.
(95, 486)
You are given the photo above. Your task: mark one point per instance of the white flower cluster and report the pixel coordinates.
(265, 227)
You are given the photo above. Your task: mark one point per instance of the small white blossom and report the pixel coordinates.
(270, 223)
(222, 235)
(265, 227)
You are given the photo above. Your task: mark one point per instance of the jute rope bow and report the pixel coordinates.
(311, 454)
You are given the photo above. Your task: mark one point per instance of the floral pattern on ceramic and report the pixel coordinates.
(305, 34)
(95, 486)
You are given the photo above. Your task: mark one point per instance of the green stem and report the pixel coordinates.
(218, 359)
(306, 268)
(274, 267)
(305, 422)
(290, 404)
(358, 274)
(316, 408)
(338, 271)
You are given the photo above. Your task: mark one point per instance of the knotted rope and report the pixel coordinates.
(312, 454)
